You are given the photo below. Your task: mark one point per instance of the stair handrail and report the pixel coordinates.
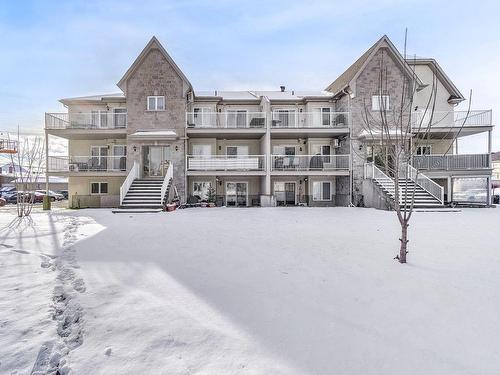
(373, 172)
(433, 188)
(132, 175)
(168, 176)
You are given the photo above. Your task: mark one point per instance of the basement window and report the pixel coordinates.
(98, 188)
(156, 103)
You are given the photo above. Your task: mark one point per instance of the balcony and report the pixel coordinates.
(237, 119)
(92, 120)
(225, 163)
(310, 163)
(87, 164)
(452, 162)
(318, 120)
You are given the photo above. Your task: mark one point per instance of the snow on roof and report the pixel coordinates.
(257, 94)
(102, 97)
(41, 180)
(158, 134)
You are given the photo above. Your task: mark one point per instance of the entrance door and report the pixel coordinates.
(120, 157)
(290, 193)
(236, 194)
(156, 160)
(99, 158)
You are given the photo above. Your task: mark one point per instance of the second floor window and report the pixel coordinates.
(380, 102)
(156, 103)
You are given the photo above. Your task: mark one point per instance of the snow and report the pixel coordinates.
(249, 291)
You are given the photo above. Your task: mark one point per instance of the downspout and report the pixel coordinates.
(351, 163)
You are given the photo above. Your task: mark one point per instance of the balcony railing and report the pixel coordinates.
(453, 119)
(309, 162)
(87, 164)
(230, 119)
(452, 162)
(321, 120)
(93, 120)
(226, 163)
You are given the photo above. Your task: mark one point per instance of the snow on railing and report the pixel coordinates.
(168, 176)
(86, 120)
(132, 175)
(228, 119)
(284, 118)
(452, 162)
(225, 162)
(89, 163)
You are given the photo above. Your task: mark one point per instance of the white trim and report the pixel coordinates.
(155, 97)
(321, 182)
(236, 182)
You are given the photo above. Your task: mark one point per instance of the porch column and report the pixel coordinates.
(46, 200)
(489, 147)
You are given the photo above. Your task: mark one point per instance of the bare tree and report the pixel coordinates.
(29, 159)
(400, 129)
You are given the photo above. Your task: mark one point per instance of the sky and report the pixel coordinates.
(55, 49)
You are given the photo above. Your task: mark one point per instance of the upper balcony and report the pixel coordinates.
(322, 122)
(227, 124)
(453, 163)
(450, 123)
(87, 125)
(87, 165)
(310, 164)
(225, 164)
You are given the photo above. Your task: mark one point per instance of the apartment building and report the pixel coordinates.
(259, 148)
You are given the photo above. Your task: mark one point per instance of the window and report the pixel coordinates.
(99, 158)
(322, 117)
(200, 188)
(156, 103)
(235, 151)
(470, 189)
(237, 118)
(322, 191)
(202, 116)
(202, 150)
(99, 119)
(424, 150)
(98, 188)
(380, 102)
(120, 117)
(120, 157)
(285, 118)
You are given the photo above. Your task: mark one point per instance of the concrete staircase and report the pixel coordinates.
(423, 199)
(144, 194)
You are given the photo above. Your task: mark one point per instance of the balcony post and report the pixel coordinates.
(46, 199)
(489, 148)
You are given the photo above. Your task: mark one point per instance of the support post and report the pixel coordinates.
(46, 198)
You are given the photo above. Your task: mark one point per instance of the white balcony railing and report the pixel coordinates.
(226, 163)
(309, 162)
(452, 119)
(92, 120)
(321, 120)
(230, 119)
(87, 164)
(452, 162)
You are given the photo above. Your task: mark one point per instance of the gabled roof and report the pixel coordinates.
(153, 44)
(348, 78)
(455, 95)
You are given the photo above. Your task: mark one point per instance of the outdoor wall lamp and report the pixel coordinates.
(135, 148)
(176, 148)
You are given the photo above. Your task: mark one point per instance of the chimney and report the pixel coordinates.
(282, 88)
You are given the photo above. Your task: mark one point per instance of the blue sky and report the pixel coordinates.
(55, 49)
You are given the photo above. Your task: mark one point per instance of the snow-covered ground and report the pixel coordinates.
(249, 291)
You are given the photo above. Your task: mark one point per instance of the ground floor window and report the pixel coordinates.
(236, 193)
(470, 189)
(322, 191)
(200, 188)
(98, 188)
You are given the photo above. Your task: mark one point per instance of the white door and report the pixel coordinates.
(120, 157)
(236, 194)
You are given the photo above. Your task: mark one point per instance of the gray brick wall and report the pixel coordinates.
(155, 76)
(367, 84)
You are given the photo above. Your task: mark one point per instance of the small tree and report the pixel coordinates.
(211, 195)
(400, 130)
(30, 162)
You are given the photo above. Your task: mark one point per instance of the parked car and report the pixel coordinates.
(52, 194)
(7, 190)
(10, 197)
(64, 193)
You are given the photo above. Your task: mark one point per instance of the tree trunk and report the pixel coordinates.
(404, 242)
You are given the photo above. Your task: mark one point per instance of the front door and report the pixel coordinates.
(236, 194)
(156, 160)
(290, 193)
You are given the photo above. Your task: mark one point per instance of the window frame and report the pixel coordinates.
(377, 102)
(321, 191)
(420, 148)
(155, 98)
(99, 184)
